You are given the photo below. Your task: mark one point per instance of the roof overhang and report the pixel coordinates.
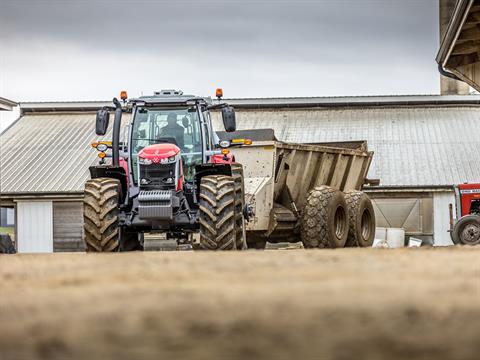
(459, 54)
(283, 103)
(7, 105)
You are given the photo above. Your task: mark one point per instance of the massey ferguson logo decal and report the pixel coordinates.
(470, 191)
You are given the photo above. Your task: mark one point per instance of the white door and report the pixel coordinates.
(441, 217)
(34, 227)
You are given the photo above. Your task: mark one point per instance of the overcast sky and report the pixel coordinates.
(89, 50)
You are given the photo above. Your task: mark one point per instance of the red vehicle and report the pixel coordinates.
(467, 228)
(173, 180)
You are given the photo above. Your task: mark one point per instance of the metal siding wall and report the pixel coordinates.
(34, 226)
(441, 217)
(414, 214)
(68, 226)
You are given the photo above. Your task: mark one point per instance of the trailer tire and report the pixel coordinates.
(100, 214)
(6, 244)
(361, 219)
(467, 230)
(240, 237)
(324, 221)
(217, 213)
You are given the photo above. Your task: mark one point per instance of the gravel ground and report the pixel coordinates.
(329, 304)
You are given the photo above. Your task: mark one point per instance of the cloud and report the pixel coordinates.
(258, 48)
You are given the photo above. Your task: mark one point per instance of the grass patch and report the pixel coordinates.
(7, 230)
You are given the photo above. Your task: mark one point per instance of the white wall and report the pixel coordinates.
(34, 226)
(441, 217)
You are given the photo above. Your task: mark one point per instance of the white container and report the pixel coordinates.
(395, 237)
(381, 233)
(414, 242)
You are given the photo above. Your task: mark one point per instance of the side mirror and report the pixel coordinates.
(228, 116)
(101, 123)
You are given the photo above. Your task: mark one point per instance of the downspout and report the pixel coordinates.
(448, 74)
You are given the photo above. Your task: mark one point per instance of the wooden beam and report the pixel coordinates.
(466, 48)
(470, 34)
(461, 60)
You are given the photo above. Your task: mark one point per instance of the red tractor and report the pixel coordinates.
(467, 228)
(171, 184)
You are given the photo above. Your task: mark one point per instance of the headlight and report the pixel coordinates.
(168, 160)
(102, 147)
(224, 143)
(144, 161)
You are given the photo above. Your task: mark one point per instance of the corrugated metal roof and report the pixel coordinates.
(47, 153)
(414, 146)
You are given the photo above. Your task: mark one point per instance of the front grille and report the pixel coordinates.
(157, 175)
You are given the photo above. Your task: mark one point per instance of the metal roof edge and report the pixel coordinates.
(285, 102)
(408, 188)
(41, 195)
(6, 104)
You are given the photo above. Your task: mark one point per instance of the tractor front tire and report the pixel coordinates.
(324, 222)
(361, 219)
(100, 214)
(217, 213)
(467, 230)
(240, 237)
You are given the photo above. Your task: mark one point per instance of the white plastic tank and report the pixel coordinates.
(389, 237)
(395, 237)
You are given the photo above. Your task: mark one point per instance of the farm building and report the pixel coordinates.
(423, 146)
(6, 214)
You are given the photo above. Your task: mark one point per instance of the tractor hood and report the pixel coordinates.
(459, 54)
(160, 153)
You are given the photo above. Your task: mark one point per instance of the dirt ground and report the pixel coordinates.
(328, 304)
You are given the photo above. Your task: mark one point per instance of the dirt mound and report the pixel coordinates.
(329, 304)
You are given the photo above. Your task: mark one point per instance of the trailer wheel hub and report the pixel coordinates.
(366, 224)
(340, 222)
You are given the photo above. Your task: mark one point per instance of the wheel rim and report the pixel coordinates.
(339, 222)
(471, 234)
(365, 225)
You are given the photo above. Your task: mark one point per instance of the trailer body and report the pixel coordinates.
(279, 175)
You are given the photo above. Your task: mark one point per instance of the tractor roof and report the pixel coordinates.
(171, 97)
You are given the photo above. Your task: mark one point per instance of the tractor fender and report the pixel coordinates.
(114, 172)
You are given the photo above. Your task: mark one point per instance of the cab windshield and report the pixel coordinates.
(177, 126)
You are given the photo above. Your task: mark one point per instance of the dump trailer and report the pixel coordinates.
(305, 192)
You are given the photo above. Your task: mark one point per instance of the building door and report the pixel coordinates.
(34, 227)
(68, 226)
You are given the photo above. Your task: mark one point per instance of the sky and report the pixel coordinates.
(92, 49)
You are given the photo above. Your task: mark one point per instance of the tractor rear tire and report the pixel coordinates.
(6, 244)
(100, 214)
(324, 221)
(361, 219)
(467, 230)
(217, 213)
(240, 238)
